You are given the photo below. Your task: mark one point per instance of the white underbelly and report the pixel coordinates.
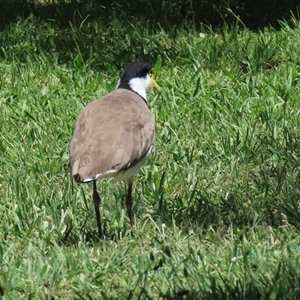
(131, 171)
(123, 175)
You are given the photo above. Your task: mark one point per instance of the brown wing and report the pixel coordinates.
(111, 133)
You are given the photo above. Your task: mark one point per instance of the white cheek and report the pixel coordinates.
(148, 80)
(140, 85)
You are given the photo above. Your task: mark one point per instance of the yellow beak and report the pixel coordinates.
(155, 85)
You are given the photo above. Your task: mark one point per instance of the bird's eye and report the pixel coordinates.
(151, 72)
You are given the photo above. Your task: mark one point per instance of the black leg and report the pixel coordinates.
(128, 201)
(97, 201)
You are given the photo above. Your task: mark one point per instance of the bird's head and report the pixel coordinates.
(138, 78)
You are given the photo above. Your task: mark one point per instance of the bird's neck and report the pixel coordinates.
(135, 87)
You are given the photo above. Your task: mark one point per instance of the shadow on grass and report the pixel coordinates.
(90, 237)
(64, 12)
(77, 34)
(107, 34)
(212, 13)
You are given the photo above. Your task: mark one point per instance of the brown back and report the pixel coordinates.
(111, 133)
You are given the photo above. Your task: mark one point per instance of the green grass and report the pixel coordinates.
(216, 205)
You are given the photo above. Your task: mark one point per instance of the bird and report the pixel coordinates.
(114, 135)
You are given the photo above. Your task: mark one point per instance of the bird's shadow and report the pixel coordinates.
(91, 237)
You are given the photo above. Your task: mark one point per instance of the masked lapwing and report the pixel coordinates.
(113, 135)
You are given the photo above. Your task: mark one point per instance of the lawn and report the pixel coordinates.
(217, 205)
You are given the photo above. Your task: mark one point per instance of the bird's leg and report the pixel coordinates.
(128, 201)
(97, 201)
